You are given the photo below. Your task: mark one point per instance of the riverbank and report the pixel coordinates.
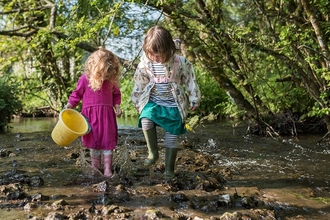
(221, 173)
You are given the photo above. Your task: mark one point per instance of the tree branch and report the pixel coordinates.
(319, 35)
(16, 32)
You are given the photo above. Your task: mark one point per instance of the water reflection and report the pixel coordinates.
(28, 125)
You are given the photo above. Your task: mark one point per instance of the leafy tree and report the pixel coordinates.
(51, 39)
(269, 56)
(9, 102)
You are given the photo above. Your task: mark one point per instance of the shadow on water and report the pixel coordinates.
(288, 176)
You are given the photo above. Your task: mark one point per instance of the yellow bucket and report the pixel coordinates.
(70, 126)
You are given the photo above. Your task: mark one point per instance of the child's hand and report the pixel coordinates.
(193, 108)
(118, 111)
(68, 106)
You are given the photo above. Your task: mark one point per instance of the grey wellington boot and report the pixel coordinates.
(151, 139)
(170, 157)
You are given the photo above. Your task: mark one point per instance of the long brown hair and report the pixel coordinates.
(100, 66)
(159, 40)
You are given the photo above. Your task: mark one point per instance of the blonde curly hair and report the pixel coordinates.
(100, 66)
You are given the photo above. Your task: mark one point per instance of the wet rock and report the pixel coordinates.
(126, 181)
(105, 199)
(15, 164)
(210, 184)
(225, 173)
(36, 181)
(249, 202)
(178, 198)
(224, 200)
(171, 184)
(116, 212)
(122, 216)
(31, 217)
(78, 215)
(92, 209)
(13, 192)
(59, 205)
(30, 206)
(4, 189)
(265, 214)
(122, 194)
(211, 206)
(153, 214)
(58, 196)
(107, 210)
(101, 187)
(246, 217)
(197, 218)
(12, 155)
(199, 180)
(204, 203)
(231, 216)
(73, 155)
(179, 216)
(4, 152)
(185, 205)
(24, 202)
(14, 176)
(16, 195)
(55, 216)
(39, 197)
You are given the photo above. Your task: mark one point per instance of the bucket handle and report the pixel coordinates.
(89, 126)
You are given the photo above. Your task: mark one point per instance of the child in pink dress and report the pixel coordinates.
(101, 97)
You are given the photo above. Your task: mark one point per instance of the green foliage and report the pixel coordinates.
(276, 63)
(267, 63)
(51, 47)
(213, 97)
(9, 102)
(126, 87)
(32, 95)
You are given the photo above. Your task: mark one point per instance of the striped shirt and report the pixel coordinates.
(161, 93)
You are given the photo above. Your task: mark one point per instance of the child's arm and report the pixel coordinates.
(118, 110)
(117, 100)
(69, 105)
(141, 79)
(191, 86)
(77, 94)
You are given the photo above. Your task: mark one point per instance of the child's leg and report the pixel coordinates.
(150, 134)
(107, 158)
(95, 158)
(170, 154)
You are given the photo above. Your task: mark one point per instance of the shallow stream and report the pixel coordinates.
(284, 178)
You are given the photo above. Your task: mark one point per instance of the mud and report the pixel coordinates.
(221, 173)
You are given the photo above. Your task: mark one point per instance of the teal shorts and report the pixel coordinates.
(168, 118)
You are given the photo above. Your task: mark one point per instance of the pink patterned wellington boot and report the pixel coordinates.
(108, 165)
(96, 162)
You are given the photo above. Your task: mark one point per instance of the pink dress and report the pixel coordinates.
(97, 107)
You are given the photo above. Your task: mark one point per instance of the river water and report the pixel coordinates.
(27, 125)
(290, 175)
